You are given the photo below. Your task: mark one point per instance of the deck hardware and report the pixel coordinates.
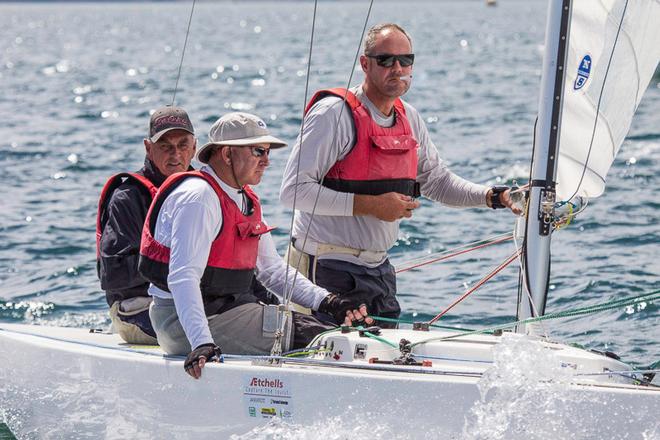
(360, 351)
(374, 330)
(421, 326)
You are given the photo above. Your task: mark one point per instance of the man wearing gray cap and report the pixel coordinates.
(123, 206)
(205, 240)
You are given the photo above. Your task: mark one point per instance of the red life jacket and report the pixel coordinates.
(383, 159)
(110, 186)
(229, 272)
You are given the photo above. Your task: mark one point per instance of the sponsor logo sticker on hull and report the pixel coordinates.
(584, 69)
(267, 396)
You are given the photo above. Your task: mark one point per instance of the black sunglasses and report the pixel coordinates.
(387, 60)
(260, 151)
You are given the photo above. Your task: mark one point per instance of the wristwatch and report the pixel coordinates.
(495, 202)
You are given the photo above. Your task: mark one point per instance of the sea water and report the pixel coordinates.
(79, 80)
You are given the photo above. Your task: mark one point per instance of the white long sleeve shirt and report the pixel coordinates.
(188, 222)
(327, 137)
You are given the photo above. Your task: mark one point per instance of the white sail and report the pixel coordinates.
(593, 31)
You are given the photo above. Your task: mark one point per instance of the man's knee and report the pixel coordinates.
(132, 323)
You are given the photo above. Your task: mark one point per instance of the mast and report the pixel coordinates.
(538, 227)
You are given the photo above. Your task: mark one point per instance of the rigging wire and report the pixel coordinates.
(522, 279)
(600, 98)
(522, 282)
(450, 253)
(481, 282)
(183, 52)
(289, 292)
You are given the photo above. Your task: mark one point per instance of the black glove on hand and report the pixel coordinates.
(210, 351)
(336, 306)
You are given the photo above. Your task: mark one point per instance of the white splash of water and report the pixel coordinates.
(86, 320)
(528, 394)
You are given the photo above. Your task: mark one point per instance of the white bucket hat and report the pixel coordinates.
(238, 129)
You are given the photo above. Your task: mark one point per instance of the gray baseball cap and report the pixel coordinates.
(166, 119)
(238, 129)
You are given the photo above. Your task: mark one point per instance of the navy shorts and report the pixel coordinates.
(375, 286)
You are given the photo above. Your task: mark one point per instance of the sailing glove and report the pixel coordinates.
(337, 306)
(210, 351)
(496, 193)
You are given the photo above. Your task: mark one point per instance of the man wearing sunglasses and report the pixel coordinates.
(123, 205)
(203, 243)
(362, 159)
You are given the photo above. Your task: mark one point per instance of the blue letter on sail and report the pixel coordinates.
(583, 72)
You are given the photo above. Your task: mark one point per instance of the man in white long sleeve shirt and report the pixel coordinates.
(367, 155)
(203, 242)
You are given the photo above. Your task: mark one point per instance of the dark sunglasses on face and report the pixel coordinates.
(260, 151)
(387, 60)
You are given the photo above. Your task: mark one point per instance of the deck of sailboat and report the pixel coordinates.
(463, 359)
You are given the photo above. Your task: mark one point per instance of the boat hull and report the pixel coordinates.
(69, 383)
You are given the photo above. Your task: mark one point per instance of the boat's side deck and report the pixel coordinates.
(462, 359)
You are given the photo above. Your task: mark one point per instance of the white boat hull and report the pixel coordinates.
(69, 383)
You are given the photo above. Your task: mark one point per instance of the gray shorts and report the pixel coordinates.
(246, 329)
(133, 325)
